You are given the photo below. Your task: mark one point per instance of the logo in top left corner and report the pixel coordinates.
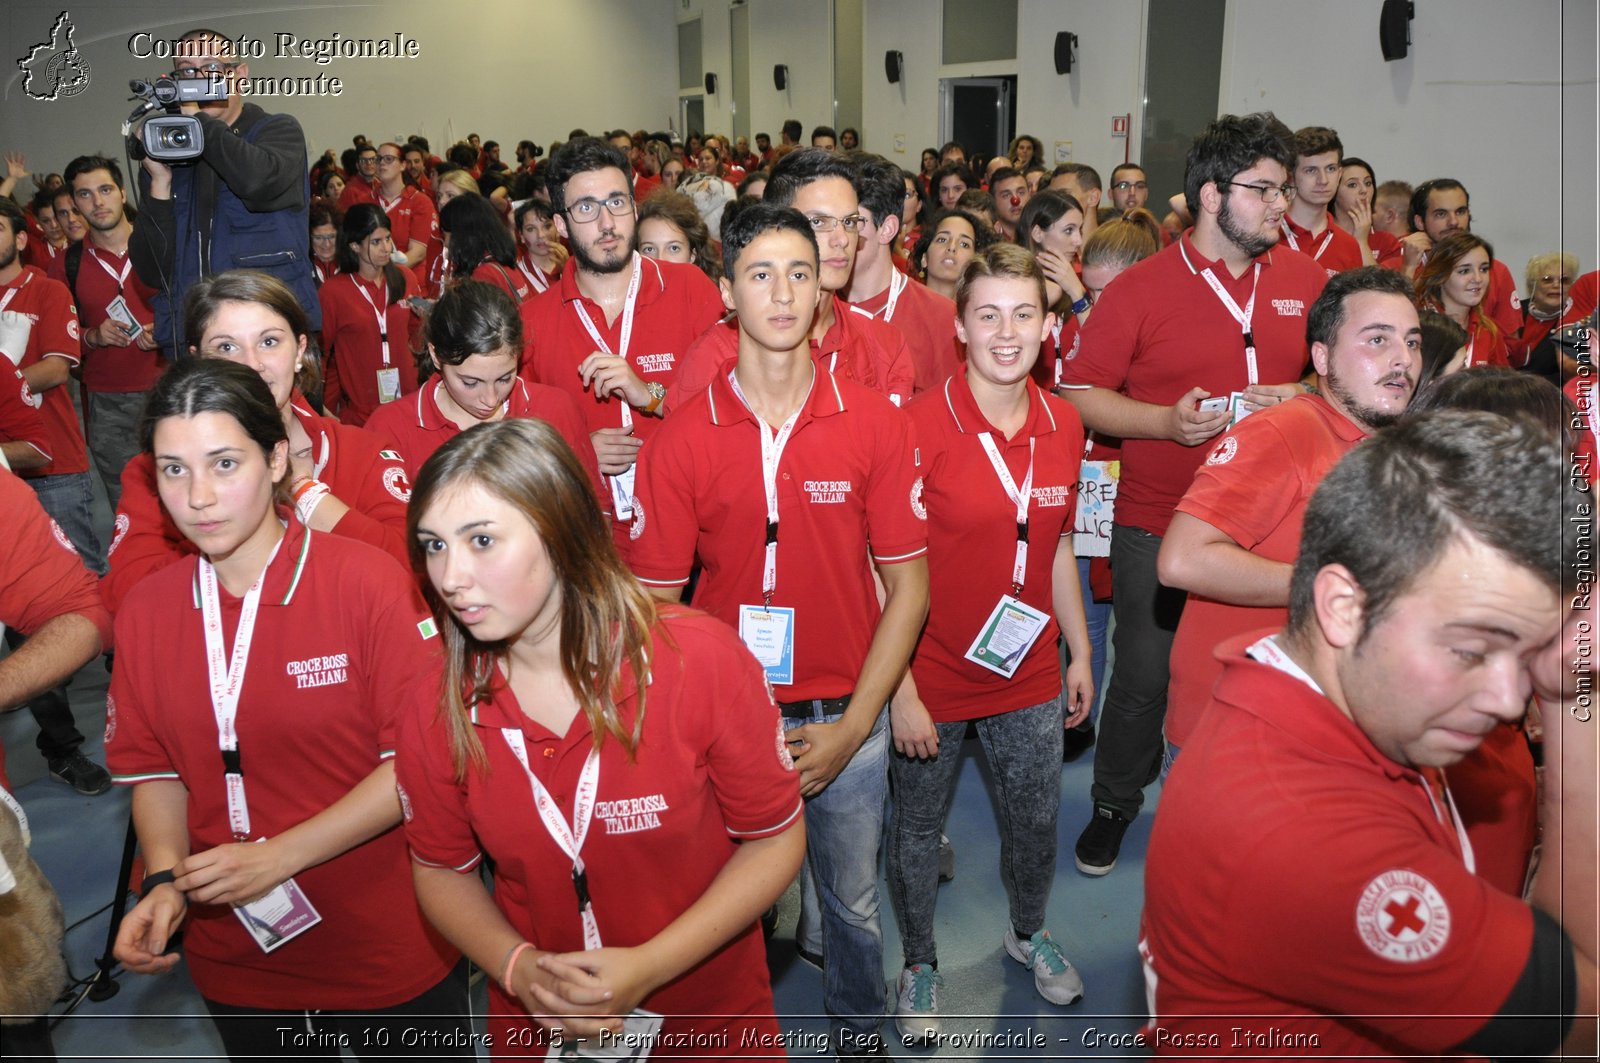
(54, 69)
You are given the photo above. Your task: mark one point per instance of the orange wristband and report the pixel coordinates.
(511, 962)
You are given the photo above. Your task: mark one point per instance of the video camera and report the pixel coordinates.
(173, 137)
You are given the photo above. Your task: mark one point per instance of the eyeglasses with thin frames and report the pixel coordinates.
(826, 223)
(1269, 193)
(589, 209)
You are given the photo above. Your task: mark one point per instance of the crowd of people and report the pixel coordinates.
(446, 444)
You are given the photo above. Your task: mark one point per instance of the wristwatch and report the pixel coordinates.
(658, 395)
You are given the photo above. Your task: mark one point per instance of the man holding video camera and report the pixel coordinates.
(241, 203)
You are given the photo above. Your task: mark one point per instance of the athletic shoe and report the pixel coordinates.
(1101, 840)
(1055, 979)
(916, 1013)
(947, 859)
(80, 773)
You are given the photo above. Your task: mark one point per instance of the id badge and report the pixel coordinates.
(640, 1031)
(1238, 407)
(117, 310)
(388, 383)
(279, 916)
(622, 492)
(1005, 638)
(769, 634)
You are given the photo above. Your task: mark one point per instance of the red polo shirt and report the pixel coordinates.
(1501, 302)
(1254, 487)
(1333, 249)
(20, 421)
(352, 342)
(350, 460)
(927, 321)
(412, 216)
(847, 477)
(972, 534)
(1161, 330)
(676, 303)
(510, 281)
(1387, 251)
(416, 427)
(48, 306)
(337, 651)
(1341, 856)
(357, 189)
(708, 771)
(856, 347)
(102, 276)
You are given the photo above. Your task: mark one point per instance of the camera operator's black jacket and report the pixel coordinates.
(242, 205)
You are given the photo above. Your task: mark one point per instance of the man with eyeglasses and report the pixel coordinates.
(243, 202)
(1130, 188)
(362, 187)
(413, 219)
(613, 330)
(1307, 225)
(1182, 345)
(819, 184)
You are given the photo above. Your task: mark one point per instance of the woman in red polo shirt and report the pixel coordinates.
(999, 469)
(479, 246)
(541, 256)
(1455, 282)
(253, 712)
(348, 483)
(620, 761)
(366, 319)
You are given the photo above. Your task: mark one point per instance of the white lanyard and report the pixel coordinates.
(1243, 317)
(536, 277)
(381, 315)
(627, 328)
(389, 204)
(1020, 497)
(227, 681)
(568, 840)
(1288, 234)
(122, 277)
(12, 293)
(772, 444)
(1472, 341)
(897, 284)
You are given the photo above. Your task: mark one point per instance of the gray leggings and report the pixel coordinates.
(1023, 748)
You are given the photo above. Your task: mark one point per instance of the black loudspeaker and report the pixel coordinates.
(893, 64)
(711, 84)
(780, 77)
(1066, 48)
(1394, 28)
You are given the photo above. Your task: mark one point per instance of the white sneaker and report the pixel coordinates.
(1055, 979)
(916, 1013)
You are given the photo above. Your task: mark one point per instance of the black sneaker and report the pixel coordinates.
(80, 773)
(1101, 840)
(860, 1046)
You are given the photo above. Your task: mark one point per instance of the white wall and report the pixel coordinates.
(1480, 98)
(1075, 108)
(506, 69)
(797, 33)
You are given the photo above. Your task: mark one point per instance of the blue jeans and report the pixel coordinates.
(1098, 614)
(1023, 748)
(69, 499)
(844, 830)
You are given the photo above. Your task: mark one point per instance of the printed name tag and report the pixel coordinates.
(622, 492)
(281, 915)
(639, 1033)
(388, 384)
(1004, 640)
(769, 633)
(1239, 407)
(117, 310)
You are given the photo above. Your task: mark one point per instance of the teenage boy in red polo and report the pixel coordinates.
(1307, 225)
(612, 331)
(362, 186)
(777, 451)
(1220, 316)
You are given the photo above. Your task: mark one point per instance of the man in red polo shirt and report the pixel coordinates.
(1218, 316)
(612, 331)
(24, 441)
(1009, 188)
(1438, 208)
(1307, 226)
(1233, 540)
(413, 219)
(878, 290)
(1309, 888)
(121, 359)
(362, 186)
(778, 451)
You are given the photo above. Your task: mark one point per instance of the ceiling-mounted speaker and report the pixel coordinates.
(780, 77)
(894, 64)
(1066, 51)
(1394, 28)
(711, 84)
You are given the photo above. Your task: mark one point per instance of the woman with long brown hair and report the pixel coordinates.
(1455, 282)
